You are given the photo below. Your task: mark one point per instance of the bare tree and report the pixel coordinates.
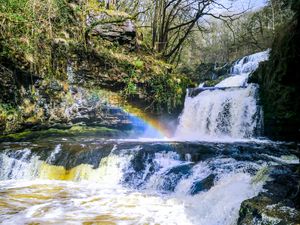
(175, 20)
(172, 21)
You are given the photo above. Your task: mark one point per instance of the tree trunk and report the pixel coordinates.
(155, 22)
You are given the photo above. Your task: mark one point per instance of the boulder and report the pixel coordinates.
(278, 203)
(112, 27)
(202, 185)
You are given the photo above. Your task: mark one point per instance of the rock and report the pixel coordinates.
(54, 86)
(279, 203)
(8, 86)
(171, 178)
(209, 72)
(53, 103)
(116, 28)
(180, 169)
(202, 185)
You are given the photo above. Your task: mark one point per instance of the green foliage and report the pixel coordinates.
(9, 118)
(139, 64)
(152, 82)
(7, 109)
(33, 32)
(131, 88)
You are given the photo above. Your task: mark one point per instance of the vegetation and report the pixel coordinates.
(41, 37)
(167, 25)
(224, 41)
(252, 32)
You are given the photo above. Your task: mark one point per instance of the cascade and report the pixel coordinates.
(228, 110)
(128, 182)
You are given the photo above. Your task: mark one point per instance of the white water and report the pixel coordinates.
(241, 69)
(221, 114)
(32, 193)
(249, 63)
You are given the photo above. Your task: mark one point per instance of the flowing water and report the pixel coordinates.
(232, 112)
(91, 180)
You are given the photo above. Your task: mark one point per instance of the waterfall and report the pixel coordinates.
(249, 63)
(229, 110)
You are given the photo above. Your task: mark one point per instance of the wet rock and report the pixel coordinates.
(171, 178)
(181, 169)
(279, 203)
(202, 185)
(54, 103)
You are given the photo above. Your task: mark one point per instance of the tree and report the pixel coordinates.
(171, 22)
(174, 21)
(253, 31)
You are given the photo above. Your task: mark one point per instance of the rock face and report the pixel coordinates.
(92, 68)
(202, 185)
(56, 104)
(117, 28)
(279, 80)
(8, 86)
(208, 73)
(279, 203)
(211, 71)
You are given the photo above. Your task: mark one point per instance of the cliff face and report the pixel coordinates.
(57, 104)
(279, 83)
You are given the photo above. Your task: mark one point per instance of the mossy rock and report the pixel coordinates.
(74, 131)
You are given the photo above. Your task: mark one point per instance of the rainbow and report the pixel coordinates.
(116, 99)
(149, 120)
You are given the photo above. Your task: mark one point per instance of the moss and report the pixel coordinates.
(53, 132)
(264, 211)
(261, 175)
(16, 136)
(153, 82)
(10, 118)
